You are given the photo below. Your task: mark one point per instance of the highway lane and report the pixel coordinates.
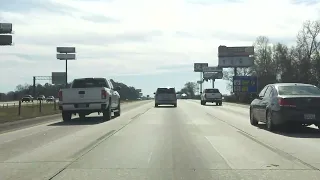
(188, 142)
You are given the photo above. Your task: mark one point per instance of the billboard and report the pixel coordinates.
(225, 62)
(5, 40)
(245, 84)
(212, 69)
(66, 56)
(224, 51)
(213, 75)
(198, 67)
(66, 49)
(5, 28)
(58, 78)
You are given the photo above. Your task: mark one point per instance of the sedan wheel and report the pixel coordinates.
(253, 121)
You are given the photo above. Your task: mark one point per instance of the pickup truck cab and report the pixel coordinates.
(89, 95)
(211, 95)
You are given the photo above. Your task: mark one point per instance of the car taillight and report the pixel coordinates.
(104, 94)
(60, 95)
(285, 102)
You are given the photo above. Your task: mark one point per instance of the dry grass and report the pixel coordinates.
(10, 113)
(31, 110)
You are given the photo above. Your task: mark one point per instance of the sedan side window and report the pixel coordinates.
(263, 91)
(268, 92)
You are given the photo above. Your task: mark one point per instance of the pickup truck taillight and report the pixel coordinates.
(60, 95)
(104, 94)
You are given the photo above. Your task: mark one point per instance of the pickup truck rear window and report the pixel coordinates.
(166, 91)
(212, 91)
(89, 83)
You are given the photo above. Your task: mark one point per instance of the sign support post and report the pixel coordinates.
(234, 57)
(66, 53)
(198, 67)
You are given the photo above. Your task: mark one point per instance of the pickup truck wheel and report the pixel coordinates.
(107, 114)
(66, 116)
(118, 112)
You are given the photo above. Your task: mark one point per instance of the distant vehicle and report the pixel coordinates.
(41, 97)
(27, 98)
(184, 96)
(89, 95)
(286, 104)
(50, 99)
(211, 95)
(165, 96)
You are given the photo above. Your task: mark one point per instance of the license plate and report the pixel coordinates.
(82, 105)
(309, 116)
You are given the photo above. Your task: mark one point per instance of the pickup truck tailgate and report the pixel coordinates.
(81, 95)
(213, 95)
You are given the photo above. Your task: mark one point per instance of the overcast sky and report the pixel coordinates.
(143, 43)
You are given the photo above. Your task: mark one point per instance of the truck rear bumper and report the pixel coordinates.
(83, 107)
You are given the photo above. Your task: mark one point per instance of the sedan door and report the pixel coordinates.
(258, 105)
(265, 103)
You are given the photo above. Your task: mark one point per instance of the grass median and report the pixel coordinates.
(11, 113)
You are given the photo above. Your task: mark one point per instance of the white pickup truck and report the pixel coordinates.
(89, 95)
(211, 95)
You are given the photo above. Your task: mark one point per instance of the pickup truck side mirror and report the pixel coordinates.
(200, 92)
(154, 93)
(117, 88)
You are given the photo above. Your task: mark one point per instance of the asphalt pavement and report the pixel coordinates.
(189, 142)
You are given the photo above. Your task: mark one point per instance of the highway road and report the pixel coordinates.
(189, 142)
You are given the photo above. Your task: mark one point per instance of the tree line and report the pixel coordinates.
(126, 92)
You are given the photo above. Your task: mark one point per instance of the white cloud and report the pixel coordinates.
(141, 36)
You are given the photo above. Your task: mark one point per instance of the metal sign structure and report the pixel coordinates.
(5, 34)
(5, 40)
(66, 56)
(224, 51)
(212, 75)
(66, 53)
(236, 61)
(212, 69)
(198, 67)
(245, 84)
(58, 77)
(235, 56)
(139, 90)
(5, 28)
(66, 50)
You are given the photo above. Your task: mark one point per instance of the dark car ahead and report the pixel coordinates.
(27, 98)
(286, 104)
